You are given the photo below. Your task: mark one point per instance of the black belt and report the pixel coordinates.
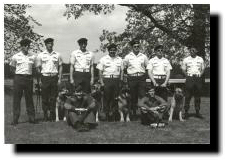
(24, 75)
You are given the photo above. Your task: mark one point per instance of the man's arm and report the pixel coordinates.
(72, 63)
(150, 74)
(202, 68)
(12, 65)
(161, 101)
(167, 78)
(101, 77)
(184, 67)
(71, 73)
(60, 69)
(142, 103)
(121, 72)
(92, 71)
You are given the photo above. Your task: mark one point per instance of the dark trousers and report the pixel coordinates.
(161, 91)
(137, 87)
(85, 78)
(193, 88)
(23, 84)
(49, 91)
(111, 91)
(73, 118)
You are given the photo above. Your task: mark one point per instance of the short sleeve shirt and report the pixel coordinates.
(193, 65)
(110, 66)
(23, 63)
(159, 66)
(49, 62)
(81, 60)
(153, 102)
(84, 103)
(135, 63)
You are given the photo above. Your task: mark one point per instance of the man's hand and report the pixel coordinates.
(72, 81)
(92, 81)
(164, 84)
(59, 82)
(155, 84)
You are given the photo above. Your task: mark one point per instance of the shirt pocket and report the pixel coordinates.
(55, 59)
(20, 61)
(88, 60)
(45, 59)
(118, 67)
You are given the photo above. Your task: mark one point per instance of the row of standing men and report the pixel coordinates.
(111, 67)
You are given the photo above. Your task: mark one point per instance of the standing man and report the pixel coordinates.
(22, 64)
(136, 63)
(82, 66)
(159, 72)
(110, 75)
(193, 68)
(49, 66)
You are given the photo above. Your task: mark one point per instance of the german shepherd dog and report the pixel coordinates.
(63, 92)
(177, 104)
(123, 101)
(97, 94)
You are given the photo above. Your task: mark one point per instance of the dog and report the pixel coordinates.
(60, 101)
(123, 101)
(97, 94)
(177, 103)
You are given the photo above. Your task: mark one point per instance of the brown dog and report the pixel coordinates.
(97, 94)
(177, 103)
(124, 104)
(60, 101)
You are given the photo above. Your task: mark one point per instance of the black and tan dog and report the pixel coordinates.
(97, 94)
(177, 104)
(124, 101)
(63, 92)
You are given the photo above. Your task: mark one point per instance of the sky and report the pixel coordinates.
(66, 32)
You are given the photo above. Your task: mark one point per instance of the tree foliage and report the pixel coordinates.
(16, 27)
(176, 26)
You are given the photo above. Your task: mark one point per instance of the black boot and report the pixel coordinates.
(186, 115)
(198, 115)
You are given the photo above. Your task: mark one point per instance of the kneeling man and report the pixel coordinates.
(80, 108)
(153, 109)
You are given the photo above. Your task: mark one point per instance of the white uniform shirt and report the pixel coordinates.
(135, 63)
(159, 66)
(110, 66)
(23, 63)
(49, 62)
(193, 65)
(81, 60)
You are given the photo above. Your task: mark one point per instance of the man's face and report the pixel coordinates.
(26, 48)
(159, 53)
(79, 94)
(151, 93)
(136, 48)
(83, 46)
(193, 52)
(112, 52)
(49, 46)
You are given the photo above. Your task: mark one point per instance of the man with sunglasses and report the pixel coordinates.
(135, 63)
(193, 67)
(159, 72)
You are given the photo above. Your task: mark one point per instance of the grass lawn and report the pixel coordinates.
(191, 131)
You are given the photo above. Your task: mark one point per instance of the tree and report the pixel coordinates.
(178, 26)
(17, 25)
